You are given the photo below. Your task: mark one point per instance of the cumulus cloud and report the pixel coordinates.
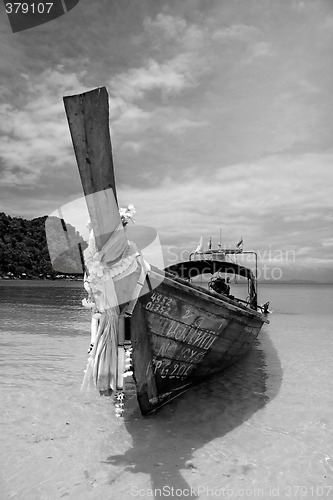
(181, 124)
(34, 135)
(133, 146)
(236, 32)
(273, 203)
(261, 49)
(172, 27)
(170, 77)
(240, 197)
(174, 32)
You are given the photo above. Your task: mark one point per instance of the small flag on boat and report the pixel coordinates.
(199, 248)
(240, 243)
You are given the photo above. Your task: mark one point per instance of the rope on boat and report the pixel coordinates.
(106, 361)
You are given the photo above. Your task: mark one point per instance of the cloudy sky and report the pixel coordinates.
(220, 112)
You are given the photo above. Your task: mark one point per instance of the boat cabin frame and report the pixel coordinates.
(212, 262)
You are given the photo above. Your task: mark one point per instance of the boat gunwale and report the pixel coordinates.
(207, 294)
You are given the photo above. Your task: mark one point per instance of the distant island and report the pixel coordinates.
(24, 252)
(290, 282)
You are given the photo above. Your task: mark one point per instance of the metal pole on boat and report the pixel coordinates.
(256, 270)
(121, 353)
(256, 257)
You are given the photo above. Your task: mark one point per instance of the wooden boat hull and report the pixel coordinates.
(182, 334)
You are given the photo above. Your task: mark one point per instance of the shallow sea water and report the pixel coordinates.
(262, 429)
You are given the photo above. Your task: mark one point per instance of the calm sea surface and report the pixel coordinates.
(263, 429)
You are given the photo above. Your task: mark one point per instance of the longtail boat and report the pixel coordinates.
(180, 333)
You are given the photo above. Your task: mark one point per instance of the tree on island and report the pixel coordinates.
(24, 251)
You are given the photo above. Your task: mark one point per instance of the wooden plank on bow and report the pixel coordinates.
(88, 119)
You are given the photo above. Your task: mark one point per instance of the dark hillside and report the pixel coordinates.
(24, 251)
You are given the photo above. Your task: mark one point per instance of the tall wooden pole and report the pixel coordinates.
(88, 119)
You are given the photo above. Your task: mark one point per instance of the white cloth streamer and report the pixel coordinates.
(117, 259)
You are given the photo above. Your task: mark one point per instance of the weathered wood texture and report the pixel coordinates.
(88, 119)
(141, 358)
